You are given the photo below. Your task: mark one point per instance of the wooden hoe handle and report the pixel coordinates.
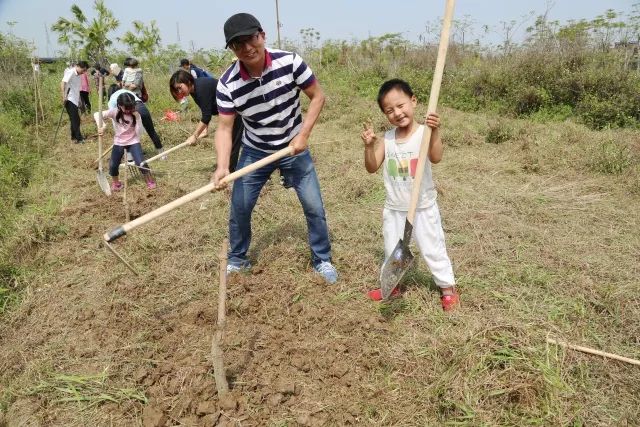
(120, 231)
(433, 103)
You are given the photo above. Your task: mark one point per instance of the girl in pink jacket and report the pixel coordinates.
(128, 127)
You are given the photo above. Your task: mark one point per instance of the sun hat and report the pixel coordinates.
(240, 24)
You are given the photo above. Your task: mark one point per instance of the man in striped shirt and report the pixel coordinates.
(264, 87)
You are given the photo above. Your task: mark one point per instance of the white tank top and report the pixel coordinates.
(400, 162)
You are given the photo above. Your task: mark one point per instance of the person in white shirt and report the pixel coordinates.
(398, 151)
(70, 90)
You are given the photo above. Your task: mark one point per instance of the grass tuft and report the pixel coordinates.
(86, 390)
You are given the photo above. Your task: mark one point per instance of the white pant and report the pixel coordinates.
(428, 235)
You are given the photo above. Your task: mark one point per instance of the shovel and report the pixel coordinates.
(401, 257)
(101, 177)
(120, 231)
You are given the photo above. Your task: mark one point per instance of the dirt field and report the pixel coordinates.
(542, 243)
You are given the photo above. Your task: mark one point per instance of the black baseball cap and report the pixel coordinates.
(240, 24)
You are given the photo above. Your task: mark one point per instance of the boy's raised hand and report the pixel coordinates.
(368, 135)
(433, 120)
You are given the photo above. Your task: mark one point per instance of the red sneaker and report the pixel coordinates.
(376, 294)
(171, 116)
(449, 302)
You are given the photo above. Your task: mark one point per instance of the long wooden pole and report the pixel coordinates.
(593, 351)
(219, 373)
(431, 107)
(127, 214)
(120, 231)
(35, 92)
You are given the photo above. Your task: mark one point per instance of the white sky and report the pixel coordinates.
(200, 23)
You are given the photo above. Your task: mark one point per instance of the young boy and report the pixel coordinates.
(398, 150)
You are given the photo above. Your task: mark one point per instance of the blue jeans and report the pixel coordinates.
(118, 152)
(298, 172)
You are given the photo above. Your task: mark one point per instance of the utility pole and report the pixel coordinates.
(178, 31)
(11, 24)
(278, 23)
(46, 32)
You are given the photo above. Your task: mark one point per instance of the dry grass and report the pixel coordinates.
(541, 243)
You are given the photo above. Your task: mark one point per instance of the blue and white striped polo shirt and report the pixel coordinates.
(269, 105)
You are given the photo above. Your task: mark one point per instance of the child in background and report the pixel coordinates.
(85, 88)
(399, 150)
(128, 127)
(132, 77)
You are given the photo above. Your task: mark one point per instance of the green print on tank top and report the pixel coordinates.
(398, 168)
(392, 168)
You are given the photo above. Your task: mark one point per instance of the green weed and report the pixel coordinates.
(9, 285)
(393, 308)
(88, 390)
(610, 157)
(18, 102)
(348, 295)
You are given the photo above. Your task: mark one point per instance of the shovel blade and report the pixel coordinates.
(394, 268)
(103, 183)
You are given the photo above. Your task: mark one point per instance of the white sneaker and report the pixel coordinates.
(161, 150)
(327, 271)
(129, 157)
(232, 268)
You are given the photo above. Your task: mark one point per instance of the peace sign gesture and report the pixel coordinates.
(368, 135)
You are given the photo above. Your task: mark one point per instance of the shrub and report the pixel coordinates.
(610, 157)
(14, 55)
(369, 81)
(19, 103)
(16, 165)
(18, 157)
(498, 133)
(331, 54)
(554, 112)
(530, 99)
(610, 111)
